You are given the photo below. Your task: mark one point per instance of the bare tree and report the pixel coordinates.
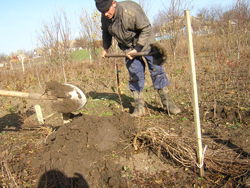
(172, 21)
(230, 25)
(80, 42)
(55, 39)
(242, 19)
(146, 6)
(90, 30)
(211, 13)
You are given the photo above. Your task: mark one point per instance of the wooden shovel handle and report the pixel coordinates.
(134, 54)
(36, 96)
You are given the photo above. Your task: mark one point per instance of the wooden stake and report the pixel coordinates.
(39, 114)
(66, 118)
(194, 92)
(118, 84)
(23, 63)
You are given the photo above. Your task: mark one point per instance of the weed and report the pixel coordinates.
(114, 156)
(12, 110)
(154, 116)
(3, 133)
(183, 119)
(235, 125)
(87, 112)
(106, 114)
(127, 172)
(178, 71)
(200, 178)
(23, 146)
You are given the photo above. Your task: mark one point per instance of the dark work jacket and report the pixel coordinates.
(129, 26)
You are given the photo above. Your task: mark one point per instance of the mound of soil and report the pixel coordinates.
(82, 152)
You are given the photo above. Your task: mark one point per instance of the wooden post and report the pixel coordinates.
(194, 93)
(66, 118)
(23, 63)
(118, 84)
(39, 114)
(11, 67)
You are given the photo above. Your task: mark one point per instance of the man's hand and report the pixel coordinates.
(131, 52)
(104, 52)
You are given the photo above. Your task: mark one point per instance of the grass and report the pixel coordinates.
(79, 55)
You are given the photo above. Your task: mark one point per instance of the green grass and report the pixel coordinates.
(82, 54)
(79, 55)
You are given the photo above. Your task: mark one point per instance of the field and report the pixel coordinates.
(103, 146)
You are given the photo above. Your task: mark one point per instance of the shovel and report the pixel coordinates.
(71, 100)
(157, 51)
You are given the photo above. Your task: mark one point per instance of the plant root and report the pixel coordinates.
(183, 151)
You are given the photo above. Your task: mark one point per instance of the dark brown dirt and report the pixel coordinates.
(85, 147)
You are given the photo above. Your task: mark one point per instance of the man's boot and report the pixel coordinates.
(167, 102)
(139, 104)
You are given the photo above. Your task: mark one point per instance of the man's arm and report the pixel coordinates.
(104, 52)
(143, 26)
(106, 36)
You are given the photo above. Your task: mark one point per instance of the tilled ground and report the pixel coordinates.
(96, 148)
(93, 151)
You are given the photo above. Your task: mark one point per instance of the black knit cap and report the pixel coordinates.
(103, 5)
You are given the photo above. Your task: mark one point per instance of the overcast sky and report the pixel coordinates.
(21, 20)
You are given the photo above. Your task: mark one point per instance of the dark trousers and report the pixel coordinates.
(136, 69)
